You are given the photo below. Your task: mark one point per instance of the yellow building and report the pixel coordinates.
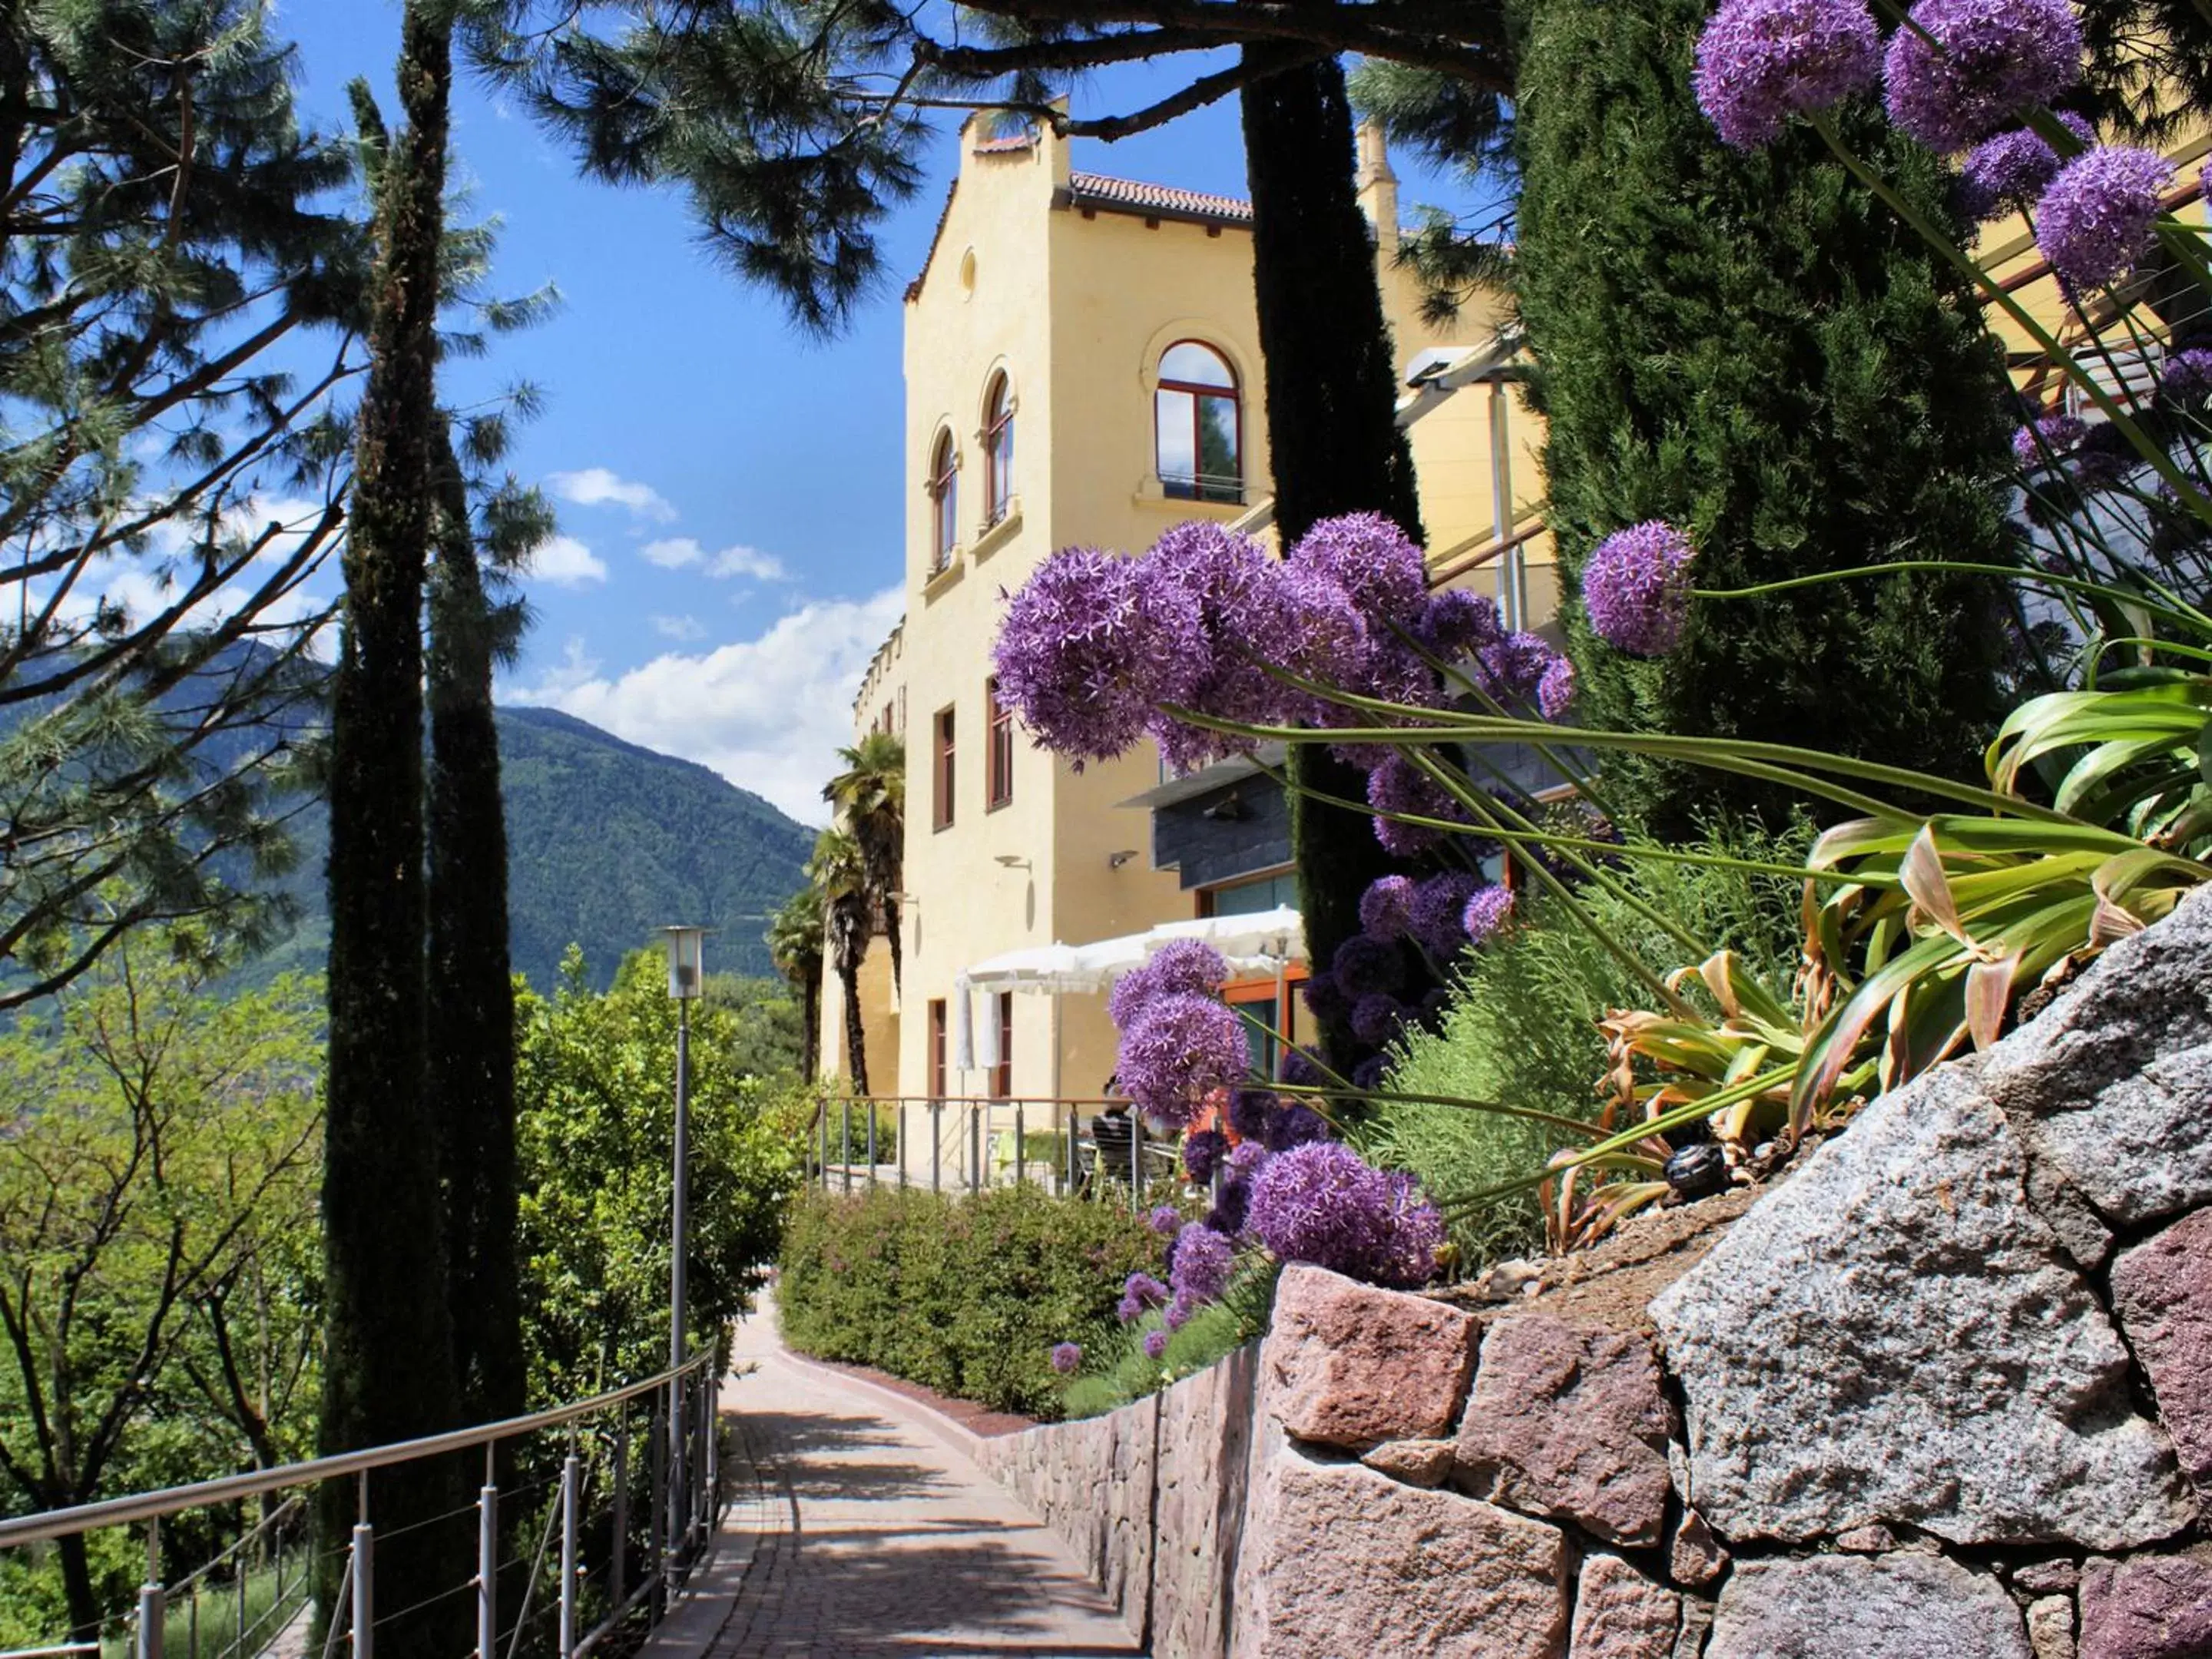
(1082, 366)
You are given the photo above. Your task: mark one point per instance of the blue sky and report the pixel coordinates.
(729, 489)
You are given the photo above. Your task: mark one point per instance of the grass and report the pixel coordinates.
(205, 1627)
(1118, 1372)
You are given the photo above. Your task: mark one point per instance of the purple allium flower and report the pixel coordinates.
(2051, 436)
(2099, 216)
(1636, 588)
(1300, 1070)
(1165, 1220)
(1363, 966)
(1486, 912)
(1325, 999)
(2103, 460)
(1761, 61)
(1555, 692)
(2188, 376)
(1439, 912)
(1131, 994)
(1397, 785)
(1249, 1109)
(1314, 630)
(1371, 559)
(1322, 1203)
(1065, 1356)
(1382, 907)
(1203, 1259)
(1294, 1127)
(1375, 1019)
(1246, 1158)
(1230, 1204)
(1456, 622)
(1979, 63)
(2007, 173)
(1181, 1046)
(1138, 1293)
(1235, 586)
(1188, 966)
(1201, 1151)
(1089, 646)
(1512, 669)
(1178, 1314)
(1156, 1344)
(1371, 1073)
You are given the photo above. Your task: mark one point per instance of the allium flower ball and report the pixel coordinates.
(1232, 582)
(1138, 1293)
(1177, 1315)
(2009, 172)
(1762, 61)
(1188, 966)
(1249, 1112)
(1375, 1019)
(2104, 458)
(1156, 1344)
(1313, 629)
(1200, 1153)
(1327, 1000)
(1457, 623)
(1294, 1126)
(1369, 558)
(1165, 1220)
(1363, 966)
(1399, 788)
(1203, 1259)
(1181, 1046)
(1487, 911)
(1970, 65)
(1555, 692)
(1512, 669)
(2187, 378)
(1382, 907)
(1246, 1158)
(2052, 435)
(1439, 912)
(1636, 588)
(1322, 1203)
(1230, 1204)
(1132, 994)
(1089, 646)
(1066, 1356)
(1371, 1072)
(2099, 217)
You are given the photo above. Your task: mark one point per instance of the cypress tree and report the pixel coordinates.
(1754, 348)
(1333, 443)
(387, 1366)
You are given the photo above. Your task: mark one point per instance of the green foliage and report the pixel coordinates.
(1523, 1027)
(594, 1085)
(964, 1295)
(1756, 349)
(1117, 1372)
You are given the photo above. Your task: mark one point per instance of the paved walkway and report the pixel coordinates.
(859, 1529)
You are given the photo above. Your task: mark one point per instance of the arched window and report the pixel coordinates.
(998, 451)
(1199, 422)
(943, 501)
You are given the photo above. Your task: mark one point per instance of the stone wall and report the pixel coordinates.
(1943, 1393)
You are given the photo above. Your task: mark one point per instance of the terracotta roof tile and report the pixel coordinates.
(1005, 146)
(1130, 194)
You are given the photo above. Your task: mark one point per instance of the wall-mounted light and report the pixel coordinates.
(1229, 809)
(1116, 860)
(1015, 861)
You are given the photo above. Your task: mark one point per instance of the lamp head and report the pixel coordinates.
(685, 954)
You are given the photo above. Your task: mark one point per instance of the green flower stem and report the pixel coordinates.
(2181, 612)
(1498, 1108)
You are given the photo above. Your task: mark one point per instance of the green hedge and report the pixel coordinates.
(964, 1295)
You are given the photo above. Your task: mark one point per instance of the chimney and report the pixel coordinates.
(1378, 187)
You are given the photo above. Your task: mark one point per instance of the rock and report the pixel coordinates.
(1417, 1462)
(1352, 1563)
(2155, 1607)
(1895, 1335)
(1857, 1607)
(2050, 1627)
(1697, 1626)
(2162, 1292)
(2112, 1083)
(1567, 1420)
(1694, 1556)
(1347, 1364)
(2054, 1577)
(1872, 1539)
(1621, 1614)
(2060, 1202)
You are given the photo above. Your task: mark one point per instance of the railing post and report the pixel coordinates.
(364, 1589)
(1136, 1160)
(153, 1606)
(658, 1561)
(1073, 1125)
(1021, 1146)
(618, 1568)
(677, 1455)
(192, 1622)
(845, 1147)
(571, 1472)
(701, 1415)
(822, 1162)
(488, 1564)
(975, 1148)
(714, 1453)
(238, 1642)
(871, 1146)
(936, 1141)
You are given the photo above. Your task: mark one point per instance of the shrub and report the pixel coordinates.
(1522, 1027)
(966, 1296)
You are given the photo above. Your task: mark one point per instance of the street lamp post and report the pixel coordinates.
(685, 978)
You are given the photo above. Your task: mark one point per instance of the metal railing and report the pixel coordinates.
(968, 1143)
(685, 1484)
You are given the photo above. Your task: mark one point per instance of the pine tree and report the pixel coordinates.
(387, 1366)
(1333, 438)
(1754, 348)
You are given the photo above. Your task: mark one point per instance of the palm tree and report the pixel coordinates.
(840, 876)
(870, 798)
(794, 943)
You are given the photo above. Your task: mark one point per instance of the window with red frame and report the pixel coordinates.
(943, 501)
(937, 1048)
(942, 776)
(1002, 1074)
(1198, 425)
(998, 452)
(1000, 770)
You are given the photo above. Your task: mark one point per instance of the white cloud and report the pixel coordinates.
(566, 562)
(595, 486)
(749, 562)
(674, 553)
(680, 628)
(768, 714)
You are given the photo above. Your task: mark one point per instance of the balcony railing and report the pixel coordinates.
(955, 1144)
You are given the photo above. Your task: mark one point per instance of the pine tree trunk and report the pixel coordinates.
(387, 1367)
(1333, 438)
(470, 1016)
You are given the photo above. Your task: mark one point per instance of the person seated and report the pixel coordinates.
(1113, 1134)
